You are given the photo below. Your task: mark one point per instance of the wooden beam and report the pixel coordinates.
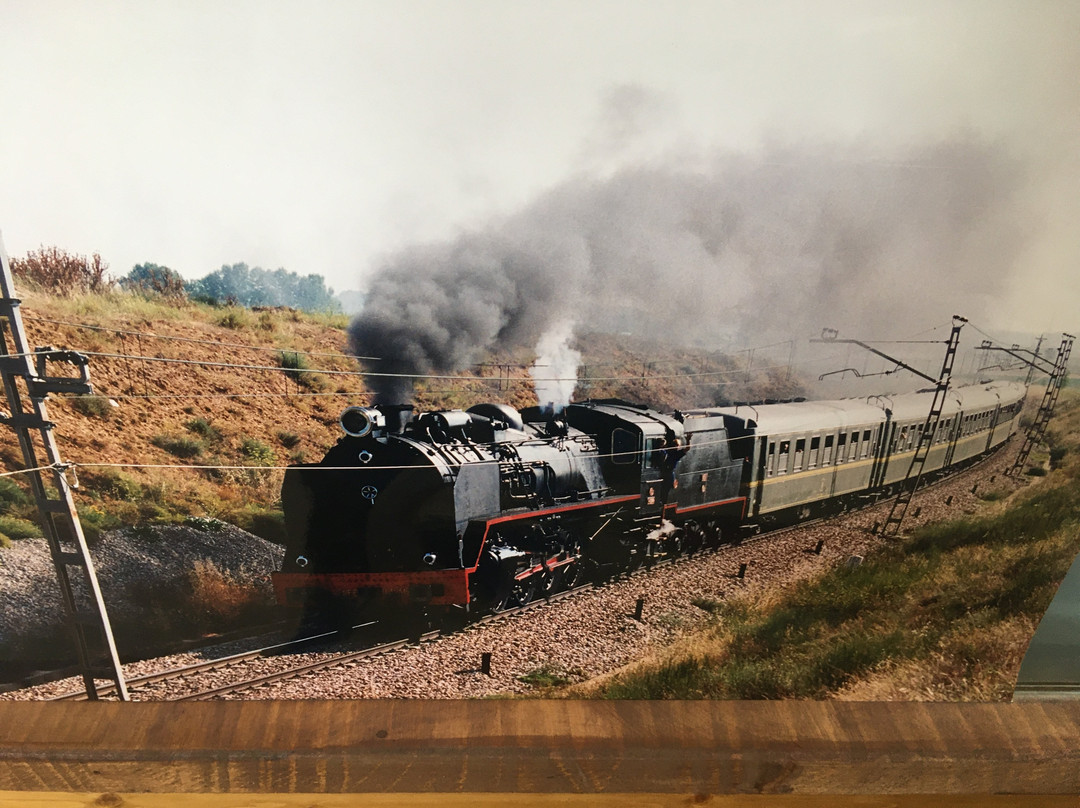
(545, 747)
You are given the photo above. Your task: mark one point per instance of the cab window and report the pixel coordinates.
(624, 447)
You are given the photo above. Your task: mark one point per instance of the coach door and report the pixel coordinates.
(759, 472)
(992, 424)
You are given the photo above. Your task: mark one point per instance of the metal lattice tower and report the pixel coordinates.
(1046, 408)
(24, 375)
(926, 438)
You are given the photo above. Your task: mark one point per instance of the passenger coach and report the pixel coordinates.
(802, 457)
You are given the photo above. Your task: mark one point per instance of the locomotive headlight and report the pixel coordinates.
(359, 421)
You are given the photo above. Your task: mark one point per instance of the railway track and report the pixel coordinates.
(345, 658)
(356, 656)
(220, 663)
(348, 658)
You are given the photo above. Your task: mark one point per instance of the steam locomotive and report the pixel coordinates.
(490, 507)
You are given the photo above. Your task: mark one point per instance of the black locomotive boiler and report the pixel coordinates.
(490, 507)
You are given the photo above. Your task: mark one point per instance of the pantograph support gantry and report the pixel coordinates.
(25, 377)
(1057, 372)
(891, 528)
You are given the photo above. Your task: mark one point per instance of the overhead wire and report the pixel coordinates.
(418, 376)
(215, 343)
(699, 378)
(240, 366)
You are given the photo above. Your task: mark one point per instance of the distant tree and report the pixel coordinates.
(352, 301)
(253, 286)
(155, 279)
(55, 270)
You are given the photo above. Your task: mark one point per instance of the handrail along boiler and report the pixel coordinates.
(492, 506)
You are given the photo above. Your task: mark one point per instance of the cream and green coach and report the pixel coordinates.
(802, 458)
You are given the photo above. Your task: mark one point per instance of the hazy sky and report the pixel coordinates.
(328, 136)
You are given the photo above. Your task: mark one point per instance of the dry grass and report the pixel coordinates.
(221, 598)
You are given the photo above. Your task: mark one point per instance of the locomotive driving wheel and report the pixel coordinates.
(521, 593)
(674, 544)
(712, 534)
(693, 537)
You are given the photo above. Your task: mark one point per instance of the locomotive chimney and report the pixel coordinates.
(397, 416)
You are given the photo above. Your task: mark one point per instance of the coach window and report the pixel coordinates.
(800, 450)
(782, 459)
(865, 444)
(853, 450)
(815, 449)
(826, 453)
(770, 463)
(841, 448)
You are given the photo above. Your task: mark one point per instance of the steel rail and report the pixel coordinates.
(209, 665)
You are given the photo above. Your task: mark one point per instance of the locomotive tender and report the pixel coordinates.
(491, 507)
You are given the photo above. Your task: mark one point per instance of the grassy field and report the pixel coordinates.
(945, 614)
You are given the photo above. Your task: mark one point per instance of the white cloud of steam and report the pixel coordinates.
(555, 371)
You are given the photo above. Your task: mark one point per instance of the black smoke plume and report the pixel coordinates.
(730, 251)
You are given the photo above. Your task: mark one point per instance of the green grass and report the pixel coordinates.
(256, 452)
(92, 406)
(548, 675)
(290, 440)
(945, 592)
(297, 368)
(178, 445)
(11, 495)
(204, 429)
(235, 318)
(267, 523)
(15, 528)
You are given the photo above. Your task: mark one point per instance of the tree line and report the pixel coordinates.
(238, 284)
(63, 273)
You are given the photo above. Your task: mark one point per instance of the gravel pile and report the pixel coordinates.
(593, 634)
(127, 563)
